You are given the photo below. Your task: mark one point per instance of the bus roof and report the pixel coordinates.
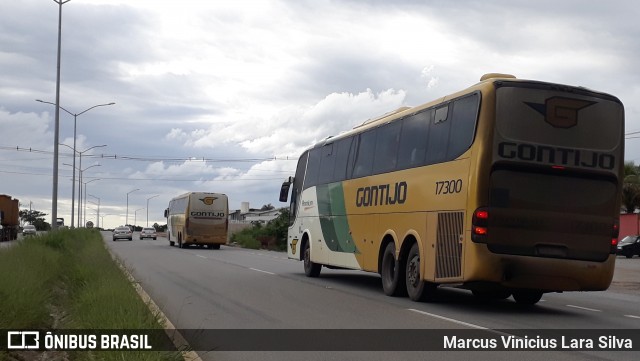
(485, 82)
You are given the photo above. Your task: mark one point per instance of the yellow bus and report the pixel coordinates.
(508, 188)
(198, 218)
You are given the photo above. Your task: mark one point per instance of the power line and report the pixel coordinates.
(153, 179)
(156, 159)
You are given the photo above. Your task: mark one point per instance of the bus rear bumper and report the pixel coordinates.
(547, 274)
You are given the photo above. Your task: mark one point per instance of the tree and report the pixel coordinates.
(160, 228)
(267, 207)
(34, 217)
(631, 187)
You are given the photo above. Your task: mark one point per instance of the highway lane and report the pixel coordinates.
(235, 288)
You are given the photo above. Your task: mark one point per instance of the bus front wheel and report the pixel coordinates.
(392, 273)
(417, 289)
(311, 269)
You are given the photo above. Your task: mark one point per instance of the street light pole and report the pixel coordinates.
(75, 117)
(84, 211)
(135, 216)
(148, 208)
(102, 220)
(80, 177)
(56, 137)
(98, 217)
(126, 221)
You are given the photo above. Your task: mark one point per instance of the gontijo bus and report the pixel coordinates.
(198, 218)
(509, 187)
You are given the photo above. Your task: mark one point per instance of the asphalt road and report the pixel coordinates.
(234, 288)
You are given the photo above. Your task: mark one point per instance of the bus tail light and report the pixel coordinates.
(614, 236)
(479, 229)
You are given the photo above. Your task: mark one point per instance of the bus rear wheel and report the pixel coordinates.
(527, 297)
(392, 273)
(417, 289)
(311, 269)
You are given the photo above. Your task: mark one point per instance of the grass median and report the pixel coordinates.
(68, 280)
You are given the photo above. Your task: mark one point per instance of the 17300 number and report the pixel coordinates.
(449, 186)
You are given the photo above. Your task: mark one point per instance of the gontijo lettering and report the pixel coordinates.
(556, 155)
(382, 195)
(207, 214)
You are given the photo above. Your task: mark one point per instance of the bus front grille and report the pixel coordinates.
(449, 245)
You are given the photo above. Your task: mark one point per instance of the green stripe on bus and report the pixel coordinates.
(333, 219)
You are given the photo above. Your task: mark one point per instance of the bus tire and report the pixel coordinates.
(311, 269)
(392, 273)
(527, 297)
(214, 246)
(172, 243)
(417, 289)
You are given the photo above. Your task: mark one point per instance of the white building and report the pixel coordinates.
(250, 215)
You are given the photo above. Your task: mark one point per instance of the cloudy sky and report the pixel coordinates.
(223, 96)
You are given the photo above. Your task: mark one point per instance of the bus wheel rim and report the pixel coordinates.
(414, 271)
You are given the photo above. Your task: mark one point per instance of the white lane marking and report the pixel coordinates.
(449, 319)
(259, 270)
(632, 316)
(201, 256)
(584, 308)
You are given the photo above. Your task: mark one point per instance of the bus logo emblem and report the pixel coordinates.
(560, 112)
(208, 200)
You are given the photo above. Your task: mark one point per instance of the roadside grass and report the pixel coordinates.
(68, 280)
(246, 239)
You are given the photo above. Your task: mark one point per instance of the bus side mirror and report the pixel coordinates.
(166, 213)
(284, 190)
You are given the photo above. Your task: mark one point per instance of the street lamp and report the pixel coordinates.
(80, 177)
(126, 221)
(75, 116)
(148, 208)
(102, 220)
(56, 137)
(135, 215)
(98, 217)
(73, 182)
(80, 197)
(84, 211)
(80, 188)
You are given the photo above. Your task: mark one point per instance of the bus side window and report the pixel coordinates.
(439, 136)
(313, 168)
(342, 148)
(413, 139)
(463, 125)
(327, 163)
(387, 148)
(364, 156)
(296, 192)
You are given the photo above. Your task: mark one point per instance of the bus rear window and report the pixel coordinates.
(577, 120)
